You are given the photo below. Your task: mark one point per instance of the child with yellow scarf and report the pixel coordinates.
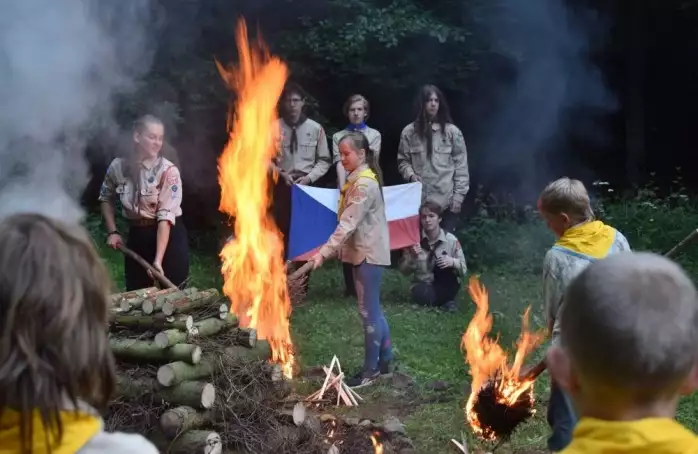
(627, 351)
(566, 208)
(56, 367)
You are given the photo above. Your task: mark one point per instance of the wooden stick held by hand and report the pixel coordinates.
(141, 261)
(681, 244)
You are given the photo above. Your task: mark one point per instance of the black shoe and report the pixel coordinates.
(386, 367)
(449, 306)
(363, 379)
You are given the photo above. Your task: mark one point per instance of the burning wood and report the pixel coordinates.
(336, 381)
(500, 398)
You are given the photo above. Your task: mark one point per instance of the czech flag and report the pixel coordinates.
(314, 217)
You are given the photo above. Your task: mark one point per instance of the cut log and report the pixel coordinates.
(135, 302)
(155, 304)
(212, 326)
(170, 337)
(197, 442)
(193, 302)
(195, 394)
(152, 322)
(116, 297)
(182, 419)
(150, 351)
(179, 371)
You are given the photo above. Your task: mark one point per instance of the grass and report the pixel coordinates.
(507, 254)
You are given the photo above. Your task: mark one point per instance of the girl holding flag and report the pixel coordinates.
(356, 108)
(361, 239)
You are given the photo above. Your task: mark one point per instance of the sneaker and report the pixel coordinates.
(449, 306)
(362, 379)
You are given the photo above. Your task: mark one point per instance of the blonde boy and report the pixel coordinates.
(627, 350)
(581, 240)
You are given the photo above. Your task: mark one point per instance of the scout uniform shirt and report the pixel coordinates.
(422, 266)
(305, 155)
(373, 136)
(444, 174)
(160, 194)
(362, 233)
(572, 253)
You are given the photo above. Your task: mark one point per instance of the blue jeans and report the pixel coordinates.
(561, 418)
(377, 347)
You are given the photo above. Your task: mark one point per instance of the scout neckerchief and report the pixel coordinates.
(592, 239)
(78, 429)
(354, 128)
(366, 173)
(294, 126)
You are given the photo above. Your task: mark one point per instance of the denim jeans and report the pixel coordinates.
(377, 347)
(561, 418)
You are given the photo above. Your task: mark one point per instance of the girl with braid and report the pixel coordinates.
(361, 239)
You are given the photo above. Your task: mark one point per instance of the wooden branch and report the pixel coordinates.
(300, 272)
(197, 442)
(141, 261)
(182, 419)
(152, 322)
(196, 394)
(150, 351)
(681, 244)
(533, 372)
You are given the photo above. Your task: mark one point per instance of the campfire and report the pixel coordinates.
(253, 268)
(500, 399)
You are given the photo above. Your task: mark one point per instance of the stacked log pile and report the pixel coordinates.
(170, 347)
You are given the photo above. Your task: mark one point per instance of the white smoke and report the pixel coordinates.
(61, 63)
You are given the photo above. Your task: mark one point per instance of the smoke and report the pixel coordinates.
(61, 64)
(555, 93)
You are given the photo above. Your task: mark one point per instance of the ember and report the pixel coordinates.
(253, 266)
(499, 399)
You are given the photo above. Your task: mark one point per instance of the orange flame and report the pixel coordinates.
(253, 266)
(487, 359)
(377, 445)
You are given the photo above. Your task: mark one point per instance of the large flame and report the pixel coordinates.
(487, 360)
(253, 266)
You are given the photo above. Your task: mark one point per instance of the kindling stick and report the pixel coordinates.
(141, 261)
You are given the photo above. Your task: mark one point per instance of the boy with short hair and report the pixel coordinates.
(627, 350)
(566, 208)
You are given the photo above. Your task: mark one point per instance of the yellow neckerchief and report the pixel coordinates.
(366, 173)
(592, 239)
(649, 435)
(78, 429)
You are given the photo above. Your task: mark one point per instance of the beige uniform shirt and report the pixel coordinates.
(373, 136)
(421, 265)
(160, 194)
(312, 158)
(445, 175)
(362, 233)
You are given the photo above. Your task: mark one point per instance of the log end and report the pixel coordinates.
(189, 322)
(148, 307)
(208, 396)
(166, 375)
(168, 308)
(224, 311)
(252, 340)
(125, 306)
(161, 339)
(196, 355)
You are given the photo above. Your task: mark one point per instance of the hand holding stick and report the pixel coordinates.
(141, 261)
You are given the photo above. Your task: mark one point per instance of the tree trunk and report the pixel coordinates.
(182, 419)
(152, 322)
(195, 394)
(197, 442)
(150, 351)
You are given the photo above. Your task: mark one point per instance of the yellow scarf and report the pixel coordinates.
(366, 173)
(78, 429)
(650, 435)
(593, 239)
